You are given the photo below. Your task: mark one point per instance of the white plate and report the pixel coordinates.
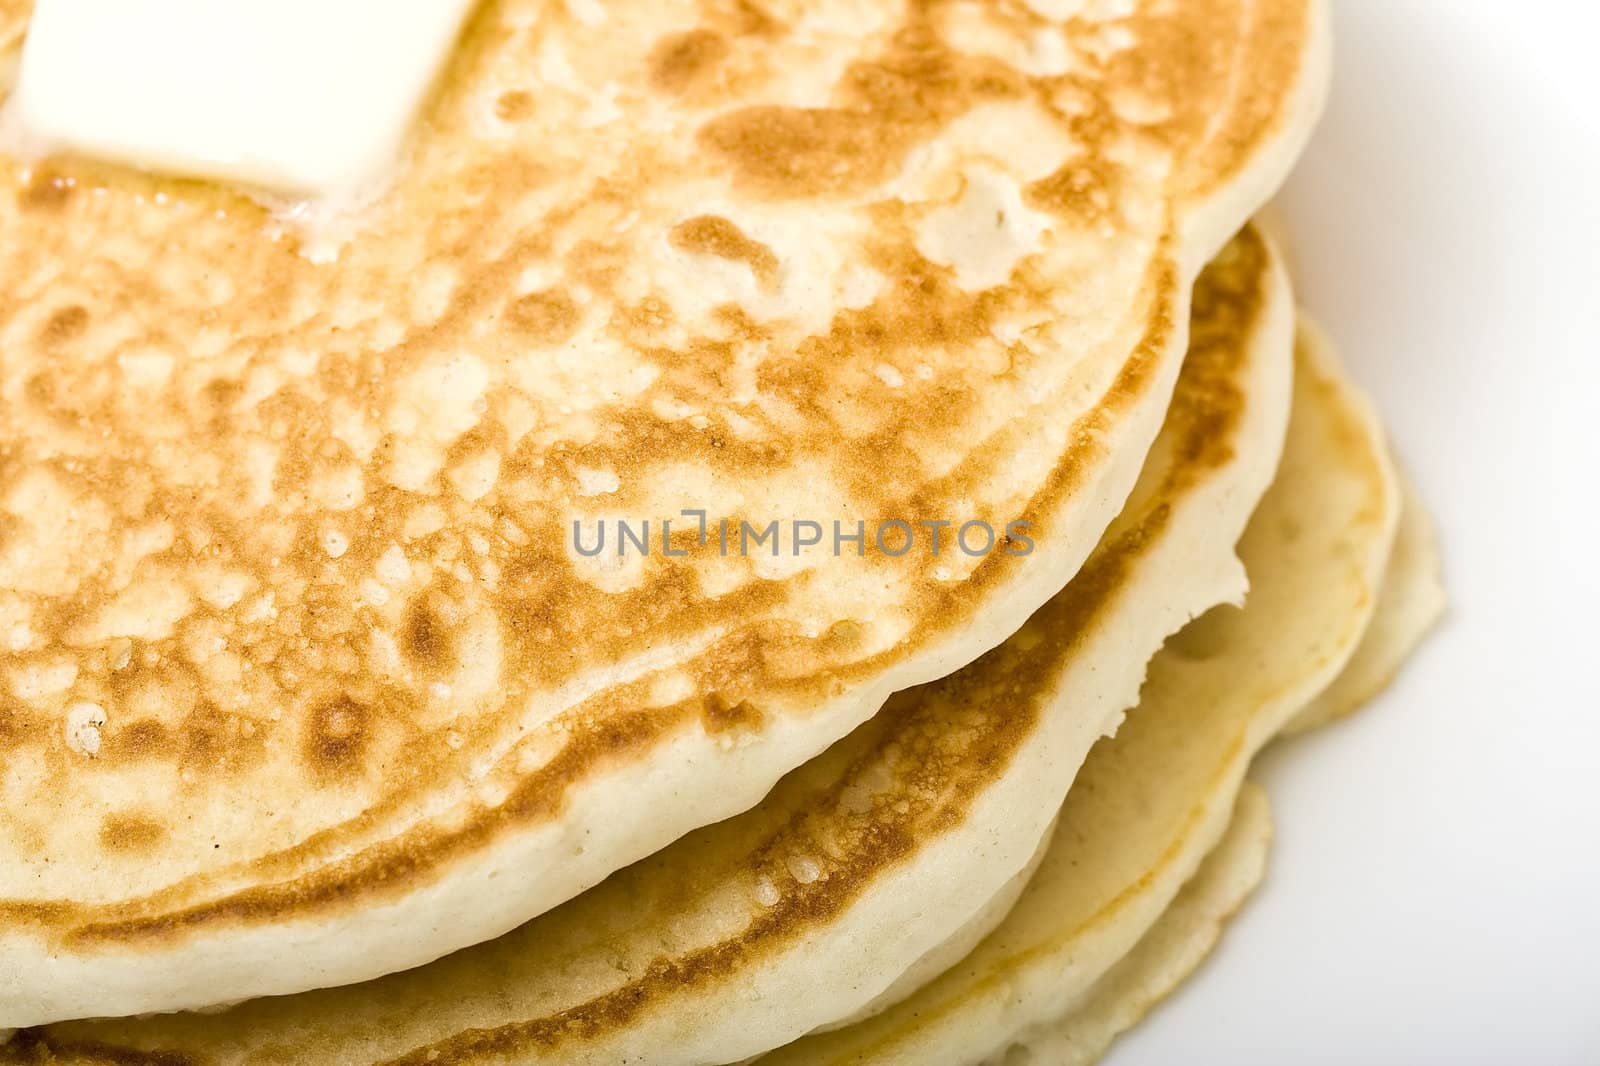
(1433, 894)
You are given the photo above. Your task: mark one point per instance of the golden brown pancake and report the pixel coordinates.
(304, 676)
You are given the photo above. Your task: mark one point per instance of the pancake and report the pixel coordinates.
(814, 906)
(1409, 604)
(307, 674)
(1151, 802)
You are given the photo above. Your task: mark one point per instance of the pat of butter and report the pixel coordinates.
(307, 98)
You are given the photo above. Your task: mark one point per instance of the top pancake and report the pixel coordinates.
(295, 652)
(815, 905)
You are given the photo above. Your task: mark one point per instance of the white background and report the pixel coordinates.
(1433, 895)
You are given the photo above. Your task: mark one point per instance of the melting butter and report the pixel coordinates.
(302, 99)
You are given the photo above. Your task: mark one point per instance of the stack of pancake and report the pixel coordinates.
(776, 537)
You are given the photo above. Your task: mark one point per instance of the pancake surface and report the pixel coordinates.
(1151, 802)
(303, 681)
(812, 906)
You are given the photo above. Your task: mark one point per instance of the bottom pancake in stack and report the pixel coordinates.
(916, 858)
(1409, 604)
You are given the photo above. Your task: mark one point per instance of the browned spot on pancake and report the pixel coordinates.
(217, 743)
(682, 59)
(1227, 302)
(221, 392)
(719, 715)
(65, 324)
(714, 235)
(43, 390)
(129, 832)
(922, 308)
(514, 106)
(752, 18)
(48, 190)
(144, 739)
(1084, 189)
(16, 726)
(548, 317)
(37, 1047)
(798, 152)
(336, 738)
(889, 106)
(425, 637)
